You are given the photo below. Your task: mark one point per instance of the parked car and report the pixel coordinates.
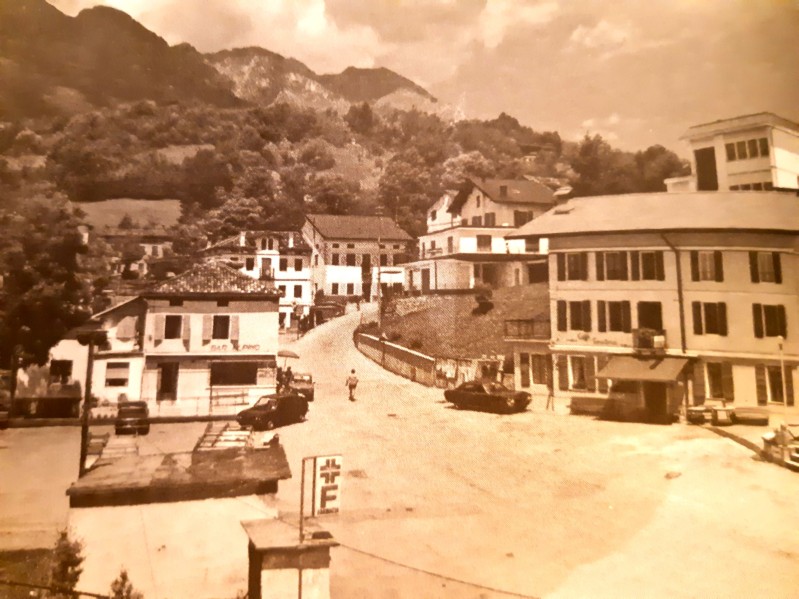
(132, 417)
(303, 384)
(750, 415)
(489, 397)
(275, 410)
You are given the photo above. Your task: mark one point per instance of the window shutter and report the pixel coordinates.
(625, 274)
(586, 315)
(718, 264)
(777, 267)
(563, 373)
(159, 328)
(699, 383)
(760, 385)
(562, 322)
(583, 266)
(754, 273)
(635, 266)
(234, 328)
(757, 319)
(601, 316)
(208, 327)
(789, 384)
(694, 265)
(626, 316)
(600, 266)
(185, 332)
(728, 389)
(126, 328)
(722, 316)
(561, 259)
(696, 308)
(590, 373)
(782, 323)
(601, 362)
(660, 269)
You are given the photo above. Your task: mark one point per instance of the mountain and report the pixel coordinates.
(369, 85)
(51, 63)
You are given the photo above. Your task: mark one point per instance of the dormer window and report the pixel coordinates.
(478, 200)
(503, 191)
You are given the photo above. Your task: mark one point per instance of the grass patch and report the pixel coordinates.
(108, 213)
(29, 566)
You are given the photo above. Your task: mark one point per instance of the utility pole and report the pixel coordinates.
(379, 265)
(88, 336)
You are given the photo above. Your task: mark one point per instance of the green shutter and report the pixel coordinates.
(626, 316)
(760, 385)
(583, 266)
(562, 320)
(586, 316)
(757, 319)
(635, 266)
(728, 389)
(601, 316)
(563, 372)
(754, 272)
(694, 265)
(696, 309)
(625, 276)
(718, 263)
(777, 267)
(600, 266)
(782, 323)
(208, 327)
(660, 269)
(561, 262)
(722, 316)
(601, 362)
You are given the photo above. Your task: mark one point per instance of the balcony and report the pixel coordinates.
(649, 341)
(535, 329)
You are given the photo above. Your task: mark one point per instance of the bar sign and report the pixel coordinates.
(327, 485)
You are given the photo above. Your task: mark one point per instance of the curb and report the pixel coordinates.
(737, 438)
(44, 422)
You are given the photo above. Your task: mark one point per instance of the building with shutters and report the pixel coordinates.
(203, 342)
(751, 152)
(465, 245)
(668, 299)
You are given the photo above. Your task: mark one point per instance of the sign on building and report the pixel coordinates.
(327, 485)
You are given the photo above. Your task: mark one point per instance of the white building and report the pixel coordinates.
(349, 253)
(752, 152)
(465, 244)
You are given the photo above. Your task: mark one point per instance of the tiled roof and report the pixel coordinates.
(336, 226)
(700, 210)
(299, 246)
(518, 191)
(231, 244)
(211, 278)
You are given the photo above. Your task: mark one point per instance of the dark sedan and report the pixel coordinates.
(488, 397)
(132, 417)
(274, 410)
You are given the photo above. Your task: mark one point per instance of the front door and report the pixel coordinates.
(167, 381)
(656, 400)
(425, 280)
(706, 176)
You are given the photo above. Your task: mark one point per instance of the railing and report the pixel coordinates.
(527, 329)
(649, 340)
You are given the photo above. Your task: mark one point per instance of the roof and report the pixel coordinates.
(212, 279)
(677, 211)
(746, 121)
(519, 191)
(231, 244)
(630, 368)
(340, 226)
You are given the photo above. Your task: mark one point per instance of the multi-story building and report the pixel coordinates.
(466, 246)
(669, 298)
(752, 152)
(202, 342)
(279, 256)
(350, 253)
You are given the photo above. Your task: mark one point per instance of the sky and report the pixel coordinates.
(637, 72)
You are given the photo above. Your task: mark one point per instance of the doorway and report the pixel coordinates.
(167, 381)
(425, 280)
(706, 175)
(656, 401)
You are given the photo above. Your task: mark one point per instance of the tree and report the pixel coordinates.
(65, 569)
(122, 588)
(333, 194)
(601, 169)
(655, 164)
(126, 222)
(360, 118)
(203, 173)
(458, 168)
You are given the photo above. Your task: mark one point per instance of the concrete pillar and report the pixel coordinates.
(282, 567)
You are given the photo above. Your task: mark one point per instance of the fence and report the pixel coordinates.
(399, 360)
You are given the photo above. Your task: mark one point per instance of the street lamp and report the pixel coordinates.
(93, 335)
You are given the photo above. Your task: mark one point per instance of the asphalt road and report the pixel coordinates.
(438, 502)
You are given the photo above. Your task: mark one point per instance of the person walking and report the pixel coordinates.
(288, 378)
(352, 382)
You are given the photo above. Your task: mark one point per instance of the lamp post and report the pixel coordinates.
(91, 335)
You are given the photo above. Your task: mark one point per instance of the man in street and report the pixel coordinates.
(352, 382)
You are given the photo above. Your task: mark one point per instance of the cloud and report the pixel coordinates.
(602, 35)
(499, 16)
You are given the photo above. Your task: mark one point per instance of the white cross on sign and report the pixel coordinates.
(327, 485)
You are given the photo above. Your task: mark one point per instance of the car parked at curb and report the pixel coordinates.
(487, 397)
(303, 384)
(133, 417)
(274, 410)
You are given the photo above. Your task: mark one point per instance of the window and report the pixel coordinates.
(263, 244)
(172, 326)
(484, 243)
(60, 371)
(730, 152)
(709, 318)
(450, 245)
(579, 315)
(650, 315)
(768, 186)
(297, 290)
(271, 244)
(334, 289)
(740, 150)
(116, 374)
(221, 328)
(765, 267)
(614, 316)
(539, 364)
(477, 221)
(350, 246)
(350, 288)
(298, 264)
(396, 246)
(503, 191)
(763, 143)
(175, 302)
(751, 148)
(383, 259)
(234, 373)
(707, 265)
(616, 266)
(334, 259)
(284, 264)
(769, 321)
(524, 369)
(522, 217)
(350, 259)
(478, 200)
(490, 219)
(572, 266)
(715, 388)
(222, 303)
(282, 289)
(432, 215)
(757, 186)
(647, 266)
(433, 244)
(577, 368)
(249, 263)
(335, 246)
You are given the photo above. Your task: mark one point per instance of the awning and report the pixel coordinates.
(629, 368)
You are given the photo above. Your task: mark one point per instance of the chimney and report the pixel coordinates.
(242, 239)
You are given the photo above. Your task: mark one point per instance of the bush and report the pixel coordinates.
(67, 559)
(122, 588)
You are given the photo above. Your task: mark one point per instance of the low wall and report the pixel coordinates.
(399, 360)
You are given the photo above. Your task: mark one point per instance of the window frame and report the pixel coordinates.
(246, 377)
(117, 381)
(173, 331)
(220, 328)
